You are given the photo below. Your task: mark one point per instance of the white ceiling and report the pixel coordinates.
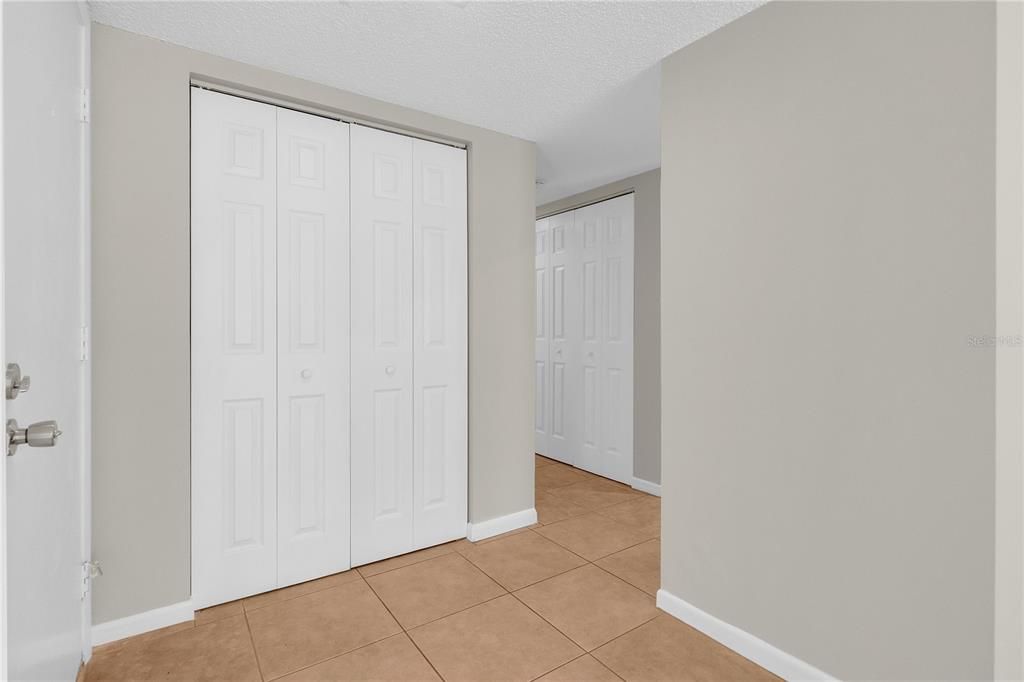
(581, 79)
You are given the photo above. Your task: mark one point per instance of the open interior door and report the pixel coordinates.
(45, 303)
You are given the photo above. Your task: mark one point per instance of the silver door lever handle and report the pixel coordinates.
(39, 435)
(15, 384)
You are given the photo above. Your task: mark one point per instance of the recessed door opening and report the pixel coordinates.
(584, 338)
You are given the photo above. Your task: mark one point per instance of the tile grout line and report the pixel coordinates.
(557, 629)
(601, 568)
(405, 631)
(604, 556)
(585, 654)
(424, 655)
(535, 582)
(594, 562)
(252, 641)
(656, 616)
(591, 510)
(559, 667)
(386, 608)
(621, 579)
(419, 561)
(656, 537)
(355, 570)
(467, 608)
(334, 656)
(298, 596)
(343, 653)
(605, 666)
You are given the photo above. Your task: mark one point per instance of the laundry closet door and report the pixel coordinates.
(616, 353)
(382, 345)
(234, 348)
(605, 231)
(440, 366)
(542, 341)
(588, 222)
(313, 346)
(564, 348)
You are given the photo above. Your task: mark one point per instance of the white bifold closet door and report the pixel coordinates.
(269, 347)
(588, 355)
(605, 247)
(312, 346)
(409, 346)
(542, 341)
(564, 342)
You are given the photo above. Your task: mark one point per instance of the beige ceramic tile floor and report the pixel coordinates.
(571, 598)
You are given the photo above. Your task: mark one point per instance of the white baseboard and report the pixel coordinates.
(502, 524)
(745, 644)
(646, 486)
(129, 626)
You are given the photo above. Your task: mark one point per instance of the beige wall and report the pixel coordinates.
(140, 119)
(828, 176)
(646, 310)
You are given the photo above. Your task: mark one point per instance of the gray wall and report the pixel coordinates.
(140, 93)
(828, 249)
(646, 310)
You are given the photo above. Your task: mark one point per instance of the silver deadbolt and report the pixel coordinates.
(15, 384)
(38, 435)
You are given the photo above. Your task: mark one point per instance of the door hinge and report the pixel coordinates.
(83, 112)
(90, 570)
(84, 345)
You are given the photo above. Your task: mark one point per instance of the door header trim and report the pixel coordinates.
(265, 98)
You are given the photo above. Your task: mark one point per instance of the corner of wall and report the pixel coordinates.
(1009, 532)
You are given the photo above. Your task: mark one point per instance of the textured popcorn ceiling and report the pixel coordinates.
(579, 78)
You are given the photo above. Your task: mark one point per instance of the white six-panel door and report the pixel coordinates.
(313, 346)
(440, 360)
(587, 222)
(542, 340)
(607, 439)
(234, 347)
(409, 352)
(382, 358)
(564, 349)
(590, 345)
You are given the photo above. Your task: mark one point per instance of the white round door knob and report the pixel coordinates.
(306, 374)
(389, 370)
